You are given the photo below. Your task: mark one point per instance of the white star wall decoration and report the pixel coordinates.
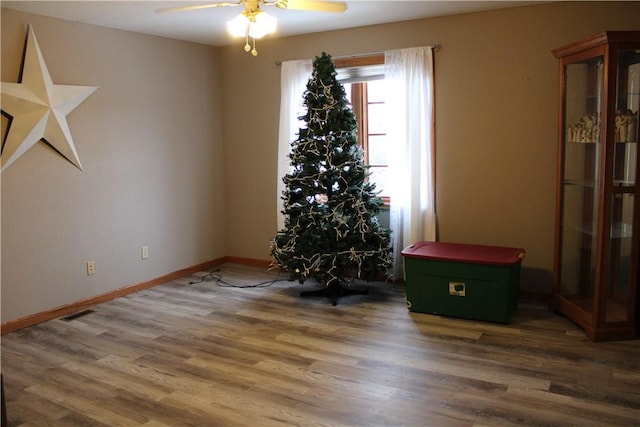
(38, 109)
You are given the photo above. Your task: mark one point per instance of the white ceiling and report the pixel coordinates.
(207, 26)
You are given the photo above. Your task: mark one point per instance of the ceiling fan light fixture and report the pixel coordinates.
(238, 26)
(261, 25)
(252, 23)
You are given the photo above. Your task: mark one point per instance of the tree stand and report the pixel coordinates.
(334, 291)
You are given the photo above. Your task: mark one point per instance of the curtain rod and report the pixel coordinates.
(435, 48)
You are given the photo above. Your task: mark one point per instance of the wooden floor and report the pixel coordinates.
(200, 354)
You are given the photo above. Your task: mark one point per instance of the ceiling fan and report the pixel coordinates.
(254, 23)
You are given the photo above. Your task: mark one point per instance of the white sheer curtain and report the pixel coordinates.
(293, 80)
(410, 130)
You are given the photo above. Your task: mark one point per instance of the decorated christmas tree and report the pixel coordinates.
(331, 233)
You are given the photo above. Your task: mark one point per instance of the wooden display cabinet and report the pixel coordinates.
(598, 198)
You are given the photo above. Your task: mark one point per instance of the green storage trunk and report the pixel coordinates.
(459, 280)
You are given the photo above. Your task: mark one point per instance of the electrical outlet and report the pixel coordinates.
(91, 268)
(145, 252)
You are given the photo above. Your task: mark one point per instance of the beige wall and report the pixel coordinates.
(496, 107)
(157, 172)
(150, 143)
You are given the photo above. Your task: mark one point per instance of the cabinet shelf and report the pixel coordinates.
(623, 184)
(618, 231)
(591, 184)
(579, 183)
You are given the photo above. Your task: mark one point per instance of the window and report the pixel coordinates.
(368, 101)
(363, 80)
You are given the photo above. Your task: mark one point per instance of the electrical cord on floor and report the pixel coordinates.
(216, 276)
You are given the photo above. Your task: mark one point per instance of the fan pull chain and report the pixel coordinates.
(247, 46)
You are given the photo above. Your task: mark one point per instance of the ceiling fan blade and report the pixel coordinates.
(198, 6)
(313, 5)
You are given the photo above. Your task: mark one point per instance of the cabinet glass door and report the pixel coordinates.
(582, 151)
(625, 160)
